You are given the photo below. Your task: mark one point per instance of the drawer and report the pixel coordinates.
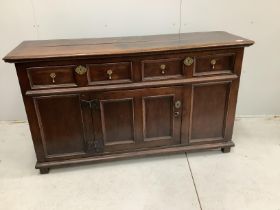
(51, 76)
(162, 69)
(214, 64)
(110, 73)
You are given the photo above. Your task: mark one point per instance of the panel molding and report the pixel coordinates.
(146, 139)
(220, 72)
(225, 115)
(42, 129)
(103, 123)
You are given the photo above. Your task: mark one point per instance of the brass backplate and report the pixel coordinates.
(188, 61)
(177, 104)
(81, 70)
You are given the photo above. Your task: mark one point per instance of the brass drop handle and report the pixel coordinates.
(163, 68)
(53, 76)
(176, 114)
(109, 72)
(213, 63)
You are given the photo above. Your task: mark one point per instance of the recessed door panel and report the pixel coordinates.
(162, 116)
(158, 116)
(209, 107)
(114, 120)
(117, 121)
(61, 124)
(138, 119)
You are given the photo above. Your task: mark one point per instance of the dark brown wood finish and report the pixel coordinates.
(61, 124)
(214, 64)
(209, 107)
(55, 76)
(110, 73)
(162, 69)
(116, 120)
(86, 48)
(93, 100)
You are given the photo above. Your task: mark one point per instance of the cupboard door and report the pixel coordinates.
(114, 120)
(209, 111)
(162, 110)
(61, 125)
(136, 119)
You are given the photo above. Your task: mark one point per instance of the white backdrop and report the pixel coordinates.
(47, 19)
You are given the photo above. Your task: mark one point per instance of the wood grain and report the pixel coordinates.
(84, 48)
(137, 154)
(88, 118)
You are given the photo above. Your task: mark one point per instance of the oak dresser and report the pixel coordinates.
(93, 100)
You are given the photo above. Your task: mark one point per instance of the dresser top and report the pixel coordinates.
(84, 48)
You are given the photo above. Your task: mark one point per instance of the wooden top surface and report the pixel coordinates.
(69, 48)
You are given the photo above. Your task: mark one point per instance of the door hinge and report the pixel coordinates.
(95, 146)
(93, 104)
(98, 146)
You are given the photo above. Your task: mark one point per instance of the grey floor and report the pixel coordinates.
(247, 178)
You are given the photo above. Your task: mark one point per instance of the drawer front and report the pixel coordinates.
(214, 64)
(110, 73)
(162, 69)
(51, 76)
